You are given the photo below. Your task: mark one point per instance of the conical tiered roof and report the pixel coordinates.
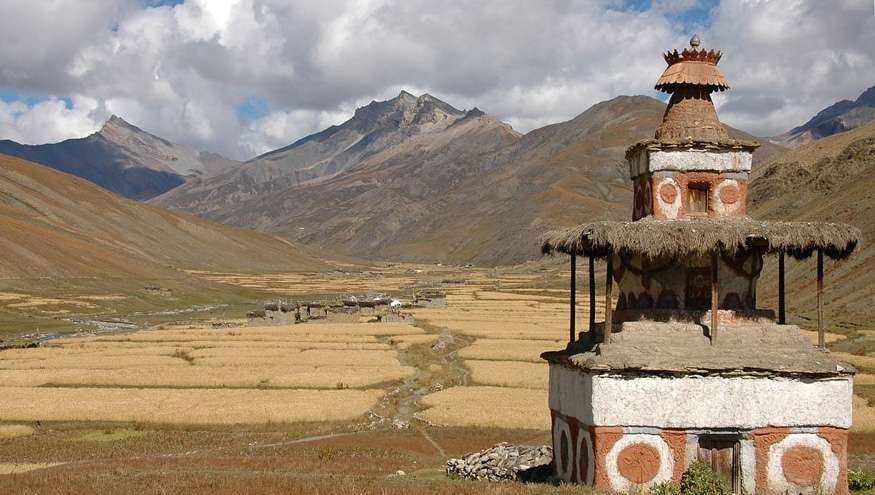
(691, 76)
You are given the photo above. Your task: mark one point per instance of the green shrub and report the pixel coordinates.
(700, 479)
(858, 481)
(665, 488)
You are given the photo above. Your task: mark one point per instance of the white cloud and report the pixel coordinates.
(50, 120)
(181, 72)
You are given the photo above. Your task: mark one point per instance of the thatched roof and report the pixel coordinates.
(654, 238)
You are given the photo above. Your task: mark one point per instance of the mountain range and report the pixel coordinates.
(410, 178)
(413, 178)
(838, 117)
(124, 159)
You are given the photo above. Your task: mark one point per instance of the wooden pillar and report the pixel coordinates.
(782, 308)
(715, 296)
(821, 340)
(572, 331)
(609, 286)
(591, 294)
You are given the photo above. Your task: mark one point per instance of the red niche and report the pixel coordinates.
(668, 193)
(638, 463)
(802, 466)
(729, 194)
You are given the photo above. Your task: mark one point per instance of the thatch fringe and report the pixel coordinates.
(654, 238)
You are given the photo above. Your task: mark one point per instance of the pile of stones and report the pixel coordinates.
(505, 462)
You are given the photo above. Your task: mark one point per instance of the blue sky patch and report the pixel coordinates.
(253, 108)
(161, 3)
(698, 15)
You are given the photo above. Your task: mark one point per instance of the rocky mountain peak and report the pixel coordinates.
(839, 117)
(406, 112)
(867, 97)
(117, 123)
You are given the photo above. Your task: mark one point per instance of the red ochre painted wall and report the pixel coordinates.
(639, 462)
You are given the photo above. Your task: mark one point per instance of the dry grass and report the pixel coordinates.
(655, 238)
(205, 339)
(283, 350)
(12, 431)
(91, 361)
(497, 407)
(313, 357)
(18, 468)
(864, 379)
(189, 406)
(404, 342)
(288, 376)
(89, 352)
(829, 337)
(509, 373)
(864, 416)
(504, 330)
(860, 362)
(510, 349)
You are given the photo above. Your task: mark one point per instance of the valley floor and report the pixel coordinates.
(218, 405)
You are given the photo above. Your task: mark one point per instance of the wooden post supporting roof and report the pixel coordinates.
(609, 285)
(591, 294)
(714, 298)
(821, 340)
(572, 331)
(782, 308)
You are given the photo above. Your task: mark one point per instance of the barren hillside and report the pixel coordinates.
(830, 179)
(58, 225)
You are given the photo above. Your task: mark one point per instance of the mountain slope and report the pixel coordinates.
(474, 191)
(373, 128)
(838, 117)
(831, 179)
(57, 225)
(124, 159)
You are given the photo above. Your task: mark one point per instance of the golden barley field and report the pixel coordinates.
(203, 399)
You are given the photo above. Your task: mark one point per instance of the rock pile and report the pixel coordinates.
(505, 462)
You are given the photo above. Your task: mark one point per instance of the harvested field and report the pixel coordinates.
(864, 416)
(12, 431)
(864, 379)
(93, 361)
(496, 407)
(18, 468)
(206, 340)
(253, 376)
(404, 342)
(509, 373)
(510, 349)
(862, 363)
(829, 337)
(312, 357)
(90, 352)
(283, 350)
(189, 406)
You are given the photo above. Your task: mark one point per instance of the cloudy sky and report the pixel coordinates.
(241, 77)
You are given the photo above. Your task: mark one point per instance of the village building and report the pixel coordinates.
(686, 365)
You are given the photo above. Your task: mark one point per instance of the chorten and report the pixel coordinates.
(686, 364)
